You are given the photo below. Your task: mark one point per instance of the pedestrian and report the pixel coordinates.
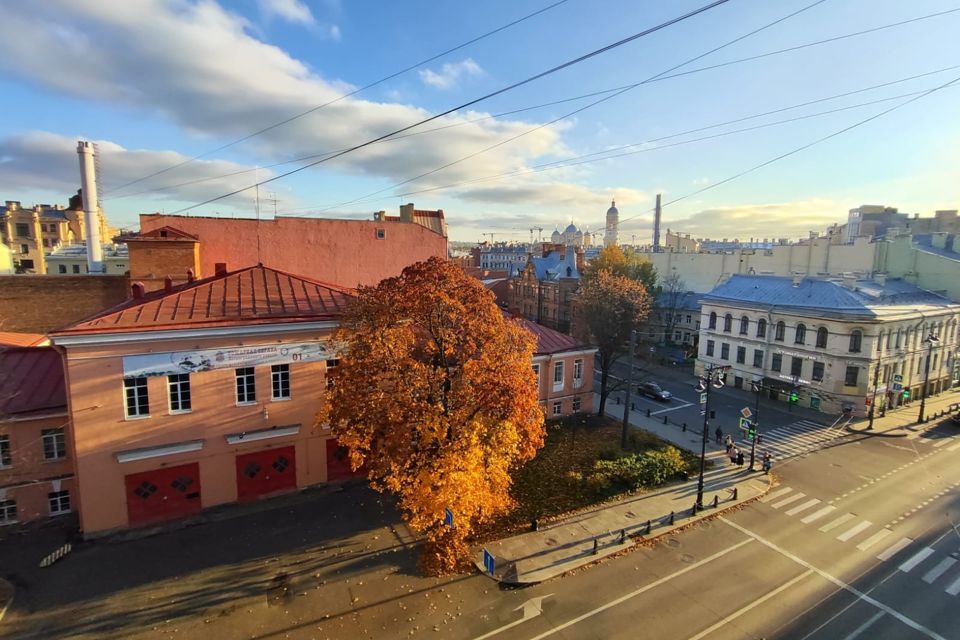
(729, 440)
(767, 462)
(729, 446)
(739, 458)
(719, 434)
(733, 455)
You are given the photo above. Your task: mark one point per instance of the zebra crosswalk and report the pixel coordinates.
(930, 565)
(793, 439)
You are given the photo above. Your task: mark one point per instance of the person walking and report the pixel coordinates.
(739, 458)
(733, 455)
(767, 462)
(719, 434)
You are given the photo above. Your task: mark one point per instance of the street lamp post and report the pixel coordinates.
(707, 381)
(758, 387)
(873, 402)
(626, 401)
(931, 341)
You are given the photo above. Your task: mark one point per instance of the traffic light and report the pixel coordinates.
(906, 394)
(794, 396)
(752, 432)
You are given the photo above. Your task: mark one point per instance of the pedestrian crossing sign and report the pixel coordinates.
(745, 424)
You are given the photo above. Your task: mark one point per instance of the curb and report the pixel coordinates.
(7, 593)
(611, 545)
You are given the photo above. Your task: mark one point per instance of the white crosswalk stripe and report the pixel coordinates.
(854, 530)
(788, 500)
(803, 507)
(833, 524)
(894, 549)
(931, 576)
(954, 587)
(793, 439)
(916, 559)
(819, 513)
(775, 494)
(874, 539)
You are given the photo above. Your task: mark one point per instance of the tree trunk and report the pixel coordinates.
(604, 374)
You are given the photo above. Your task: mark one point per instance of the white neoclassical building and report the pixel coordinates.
(838, 342)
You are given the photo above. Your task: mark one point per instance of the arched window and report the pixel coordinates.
(728, 323)
(744, 325)
(713, 320)
(822, 337)
(800, 337)
(856, 340)
(761, 328)
(781, 331)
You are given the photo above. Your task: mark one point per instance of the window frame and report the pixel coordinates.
(558, 372)
(246, 381)
(59, 497)
(776, 362)
(856, 376)
(55, 441)
(711, 347)
(536, 370)
(856, 341)
(712, 323)
(724, 350)
(744, 325)
(557, 408)
(728, 323)
(182, 393)
(817, 364)
(758, 358)
(762, 328)
(6, 452)
(135, 386)
(280, 376)
(5, 506)
(741, 355)
(780, 332)
(800, 334)
(578, 373)
(796, 366)
(823, 335)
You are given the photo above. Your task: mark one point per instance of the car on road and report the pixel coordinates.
(654, 390)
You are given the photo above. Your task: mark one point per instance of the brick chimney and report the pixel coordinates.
(220, 269)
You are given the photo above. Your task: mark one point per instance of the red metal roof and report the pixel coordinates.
(31, 381)
(254, 295)
(161, 233)
(549, 340)
(15, 339)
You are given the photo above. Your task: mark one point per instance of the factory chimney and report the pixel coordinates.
(656, 227)
(91, 216)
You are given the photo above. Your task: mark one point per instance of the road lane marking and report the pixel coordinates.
(776, 494)
(917, 558)
(954, 447)
(913, 624)
(866, 625)
(530, 610)
(682, 406)
(788, 500)
(755, 603)
(894, 549)
(803, 507)
(931, 576)
(816, 515)
(854, 530)
(874, 539)
(941, 442)
(833, 524)
(954, 587)
(643, 589)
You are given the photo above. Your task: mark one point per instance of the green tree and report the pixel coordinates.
(631, 265)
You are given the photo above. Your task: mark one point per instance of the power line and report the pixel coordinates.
(347, 95)
(571, 99)
(585, 107)
(515, 85)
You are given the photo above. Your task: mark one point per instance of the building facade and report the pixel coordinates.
(544, 291)
(564, 369)
(839, 344)
(201, 395)
(675, 320)
(36, 459)
(71, 259)
(501, 256)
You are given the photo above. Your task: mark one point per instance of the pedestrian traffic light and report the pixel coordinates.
(906, 394)
(751, 432)
(794, 396)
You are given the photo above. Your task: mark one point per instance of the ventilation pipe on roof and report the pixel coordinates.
(91, 217)
(168, 284)
(138, 290)
(880, 279)
(190, 275)
(797, 279)
(220, 269)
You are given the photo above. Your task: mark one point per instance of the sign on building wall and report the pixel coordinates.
(164, 364)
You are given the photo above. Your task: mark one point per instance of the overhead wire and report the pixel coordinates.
(346, 95)
(487, 96)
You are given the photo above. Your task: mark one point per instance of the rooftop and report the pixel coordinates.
(550, 341)
(14, 339)
(31, 381)
(253, 295)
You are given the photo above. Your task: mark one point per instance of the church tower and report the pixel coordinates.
(610, 237)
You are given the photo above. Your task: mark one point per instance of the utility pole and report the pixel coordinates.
(758, 387)
(931, 341)
(873, 401)
(707, 381)
(626, 402)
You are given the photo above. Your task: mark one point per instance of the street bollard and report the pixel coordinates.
(648, 413)
(671, 517)
(649, 527)
(665, 420)
(535, 525)
(716, 501)
(618, 399)
(684, 427)
(596, 547)
(693, 511)
(623, 536)
(735, 492)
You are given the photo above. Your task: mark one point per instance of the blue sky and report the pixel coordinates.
(156, 83)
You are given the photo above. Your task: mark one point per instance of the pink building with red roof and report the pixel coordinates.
(201, 394)
(36, 469)
(564, 368)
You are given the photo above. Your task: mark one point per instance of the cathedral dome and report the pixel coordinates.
(571, 228)
(612, 211)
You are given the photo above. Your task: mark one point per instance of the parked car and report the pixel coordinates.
(653, 390)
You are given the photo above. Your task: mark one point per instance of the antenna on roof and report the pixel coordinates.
(257, 207)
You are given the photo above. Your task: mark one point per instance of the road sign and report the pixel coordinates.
(488, 562)
(448, 518)
(745, 412)
(897, 377)
(703, 398)
(745, 424)
(897, 386)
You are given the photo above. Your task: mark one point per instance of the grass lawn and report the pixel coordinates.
(557, 481)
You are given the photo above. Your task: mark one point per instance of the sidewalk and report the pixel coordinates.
(568, 544)
(905, 417)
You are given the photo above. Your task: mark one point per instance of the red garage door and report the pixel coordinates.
(163, 494)
(265, 472)
(338, 463)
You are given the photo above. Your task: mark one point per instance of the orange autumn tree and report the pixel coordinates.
(436, 398)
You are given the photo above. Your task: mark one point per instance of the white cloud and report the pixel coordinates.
(561, 195)
(781, 219)
(197, 65)
(290, 10)
(450, 73)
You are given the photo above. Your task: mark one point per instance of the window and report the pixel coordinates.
(59, 502)
(558, 376)
(851, 378)
(822, 337)
(138, 404)
(62, 268)
(781, 331)
(796, 366)
(46, 242)
(741, 355)
(54, 444)
(280, 381)
(381, 234)
(818, 371)
(76, 268)
(744, 325)
(43, 228)
(856, 340)
(761, 328)
(899, 336)
(724, 351)
(710, 345)
(24, 249)
(8, 511)
(179, 385)
(800, 335)
(713, 321)
(246, 386)
(536, 370)
(557, 408)
(728, 323)
(689, 319)
(677, 336)
(880, 342)
(776, 362)
(331, 364)
(577, 374)
(22, 229)
(5, 459)
(758, 358)
(576, 404)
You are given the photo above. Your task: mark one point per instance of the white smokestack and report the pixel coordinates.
(91, 217)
